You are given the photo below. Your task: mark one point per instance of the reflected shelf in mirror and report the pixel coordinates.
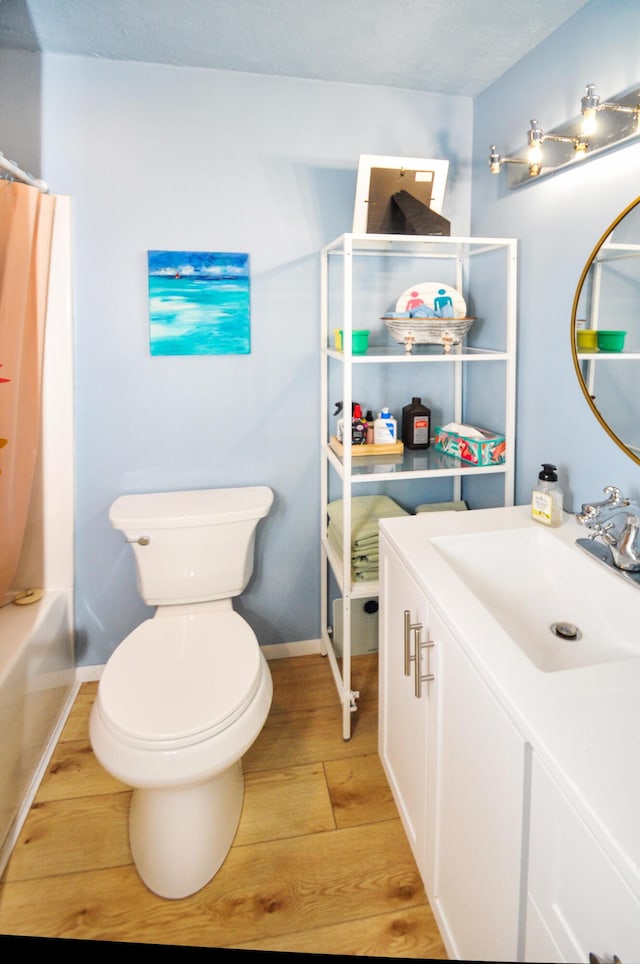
(608, 298)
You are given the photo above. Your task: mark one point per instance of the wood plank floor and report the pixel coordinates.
(320, 862)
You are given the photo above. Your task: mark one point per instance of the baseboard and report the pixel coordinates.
(88, 674)
(281, 650)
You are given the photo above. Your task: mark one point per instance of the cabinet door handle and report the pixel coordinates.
(415, 630)
(409, 627)
(419, 678)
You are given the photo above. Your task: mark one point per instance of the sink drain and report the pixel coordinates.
(565, 630)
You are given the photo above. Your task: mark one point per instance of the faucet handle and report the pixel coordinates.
(603, 532)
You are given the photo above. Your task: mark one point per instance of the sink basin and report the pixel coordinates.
(556, 604)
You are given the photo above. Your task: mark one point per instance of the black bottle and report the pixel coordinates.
(416, 425)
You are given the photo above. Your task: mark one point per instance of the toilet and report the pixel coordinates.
(185, 695)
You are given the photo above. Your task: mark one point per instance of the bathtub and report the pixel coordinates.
(37, 688)
(37, 666)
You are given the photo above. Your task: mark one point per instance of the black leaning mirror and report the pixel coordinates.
(605, 330)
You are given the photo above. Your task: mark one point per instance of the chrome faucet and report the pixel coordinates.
(616, 521)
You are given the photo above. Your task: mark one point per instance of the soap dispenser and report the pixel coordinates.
(546, 497)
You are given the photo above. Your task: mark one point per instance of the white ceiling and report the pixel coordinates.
(442, 46)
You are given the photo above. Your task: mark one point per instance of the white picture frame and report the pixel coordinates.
(426, 178)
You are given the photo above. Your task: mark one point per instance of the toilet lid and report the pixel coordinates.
(177, 680)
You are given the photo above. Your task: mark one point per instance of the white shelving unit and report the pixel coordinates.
(362, 275)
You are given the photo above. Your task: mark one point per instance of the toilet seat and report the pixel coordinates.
(179, 680)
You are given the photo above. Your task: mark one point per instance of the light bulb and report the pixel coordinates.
(589, 122)
(589, 109)
(494, 160)
(534, 153)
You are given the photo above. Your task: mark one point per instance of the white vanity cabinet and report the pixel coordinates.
(577, 903)
(455, 764)
(479, 812)
(498, 769)
(406, 713)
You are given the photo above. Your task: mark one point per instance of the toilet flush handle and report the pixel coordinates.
(142, 541)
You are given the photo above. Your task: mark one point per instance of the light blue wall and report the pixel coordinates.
(184, 159)
(558, 221)
(20, 104)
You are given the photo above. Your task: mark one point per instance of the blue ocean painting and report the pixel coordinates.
(199, 303)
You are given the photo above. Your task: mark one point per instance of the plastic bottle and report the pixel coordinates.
(416, 425)
(546, 497)
(385, 428)
(358, 424)
(369, 418)
(339, 423)
(358, 427)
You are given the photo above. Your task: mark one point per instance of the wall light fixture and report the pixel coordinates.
(591, 104)
(588, 135)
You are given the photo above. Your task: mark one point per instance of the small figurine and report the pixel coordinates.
(409, 340)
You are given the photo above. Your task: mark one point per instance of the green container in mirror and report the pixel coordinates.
(611, 340)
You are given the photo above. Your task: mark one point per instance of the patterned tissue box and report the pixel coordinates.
(488, 450)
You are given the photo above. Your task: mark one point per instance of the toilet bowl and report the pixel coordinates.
(185, 695)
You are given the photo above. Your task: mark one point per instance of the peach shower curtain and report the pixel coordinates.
(26, 223)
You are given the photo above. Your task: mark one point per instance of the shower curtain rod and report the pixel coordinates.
(12, 168)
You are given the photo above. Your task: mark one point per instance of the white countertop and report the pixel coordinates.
(584, 723)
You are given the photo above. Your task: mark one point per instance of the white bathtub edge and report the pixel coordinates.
(29, 796)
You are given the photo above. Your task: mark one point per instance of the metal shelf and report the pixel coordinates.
(341, 261)
(426, 463)
(596, 356)
(420, 354)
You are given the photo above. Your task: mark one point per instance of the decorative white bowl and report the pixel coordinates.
(428, 331)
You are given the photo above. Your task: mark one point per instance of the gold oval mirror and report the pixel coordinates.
(605, 330)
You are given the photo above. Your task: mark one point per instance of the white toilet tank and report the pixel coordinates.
(192, 546)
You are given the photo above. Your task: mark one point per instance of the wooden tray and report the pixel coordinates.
(395, 448)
